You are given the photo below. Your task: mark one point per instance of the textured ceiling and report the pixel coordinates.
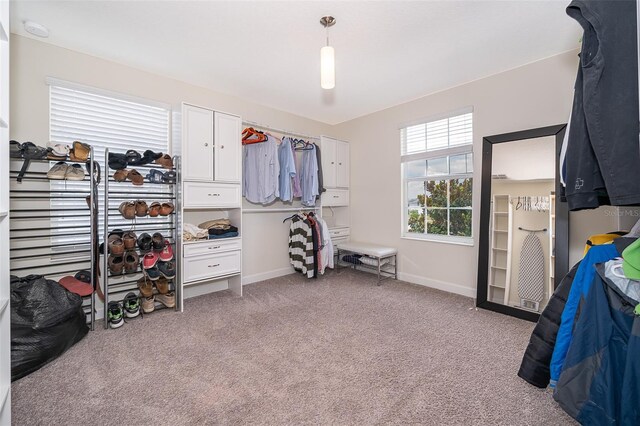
(387, 52)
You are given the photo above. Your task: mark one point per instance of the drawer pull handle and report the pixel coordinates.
(336, 196)
(206, 144)
(213, 195)
(213, 248)
(213, 266)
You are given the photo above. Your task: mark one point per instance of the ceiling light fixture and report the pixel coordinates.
(327, 58)
(36, 29)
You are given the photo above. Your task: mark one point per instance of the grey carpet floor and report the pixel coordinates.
(337, 350)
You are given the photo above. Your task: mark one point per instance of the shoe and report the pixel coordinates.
(15, 149)
(154, 209)
(157, 241)
(145, 286)
(155, 176)
(131, 304)
(141, 208)
(120, 175)
(169, 177)
(80, 152)
(149, 261)
(167, 252)
(116, 246)
(153, 273)
(165, 161)
(58, 152)
(168, 300)
(58, 171)
(148, 304)
(117, 161)
(128, 209)
(116, 264)
(129, 239)
(131, 262)
(144, 242)
(135, 177)
(115, 315)
(74, 172)
(162, 285)
(167, 269)
(166, 209)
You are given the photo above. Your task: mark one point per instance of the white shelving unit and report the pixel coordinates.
(500, 264)
(5, 312)
(552, 243)
(335, 200)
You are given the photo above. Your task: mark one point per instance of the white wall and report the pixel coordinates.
(265, 249)
(535, 95)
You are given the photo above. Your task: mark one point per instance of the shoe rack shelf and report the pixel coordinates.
(52, 229)
(116, 286)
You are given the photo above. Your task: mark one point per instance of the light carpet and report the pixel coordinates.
(336, 350)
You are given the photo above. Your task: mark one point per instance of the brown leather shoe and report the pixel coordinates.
(141, 208)
(168, 300)
(165, 161)
(135, 177)
(166, 209)
(131, 262)
(116, 246)
(162, 285)
(116, 264)
(129, 238)
(145, 286)
(128, 209)
(120, 175)
(80, 152)
(154, 209)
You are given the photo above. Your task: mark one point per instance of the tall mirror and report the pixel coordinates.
(523, 227)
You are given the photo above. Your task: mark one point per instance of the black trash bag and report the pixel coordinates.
(46, 320)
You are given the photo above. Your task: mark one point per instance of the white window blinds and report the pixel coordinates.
(439, 134)
(101, 121)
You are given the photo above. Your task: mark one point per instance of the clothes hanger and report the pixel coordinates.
(251, 135)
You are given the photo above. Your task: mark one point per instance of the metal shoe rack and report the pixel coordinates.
(116, 286)
(52, 229)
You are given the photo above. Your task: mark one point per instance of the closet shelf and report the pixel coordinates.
(206, 240)
(280, 210)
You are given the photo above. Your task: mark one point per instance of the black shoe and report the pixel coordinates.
(144, 242)
(167, 269)
(131, 304)
(158, 241)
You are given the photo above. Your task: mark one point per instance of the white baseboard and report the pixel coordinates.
(249, 279)
(437, 284)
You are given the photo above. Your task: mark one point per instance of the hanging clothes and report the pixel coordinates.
(309, 176)
(261, 170)
(321, 188)
(531, 275)
(295, 181)
(327, 252)
(301, 246)
(287, 174)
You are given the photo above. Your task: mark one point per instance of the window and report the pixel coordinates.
(437, 179)
(102, 121)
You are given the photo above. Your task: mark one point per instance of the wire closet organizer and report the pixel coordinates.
(52, 225)
(115, 193)
(293, 209)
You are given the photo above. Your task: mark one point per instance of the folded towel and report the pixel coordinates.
(214, 231)
(216, 223)
(194, 231)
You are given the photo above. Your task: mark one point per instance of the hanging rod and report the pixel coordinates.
(532, 230)
(282, 210)
(275, 129)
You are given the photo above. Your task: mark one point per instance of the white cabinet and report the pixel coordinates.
(212, 145)
(335, 162)
(210, 266)
(198, 195)
(335, 198)
(228, 147)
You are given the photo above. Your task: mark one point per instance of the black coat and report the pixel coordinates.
(535, 362)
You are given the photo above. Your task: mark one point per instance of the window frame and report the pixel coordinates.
(431, 155)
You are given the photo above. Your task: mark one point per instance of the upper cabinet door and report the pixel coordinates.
(228, 148)
(329, 164)
(342, 160)
(197, 139)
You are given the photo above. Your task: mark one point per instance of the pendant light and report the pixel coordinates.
(327, 58)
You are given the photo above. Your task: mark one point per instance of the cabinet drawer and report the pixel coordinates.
(338, 232)
(335, 197)
(200, 194)
(213, 246)
(202, 267)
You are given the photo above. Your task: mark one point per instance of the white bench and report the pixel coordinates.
(376, 253)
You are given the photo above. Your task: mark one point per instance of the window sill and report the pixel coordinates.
(451, 240)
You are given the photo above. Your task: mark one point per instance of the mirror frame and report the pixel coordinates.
(561, 219)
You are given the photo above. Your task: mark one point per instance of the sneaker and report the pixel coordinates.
(167, 269)
(58, 171)
(168, 300)
(131, 262)
(150, 260)
(131, 305)
(153, 273)
(144, 242)
(115, 316)
(157, 241)
(148, 304)
(145, 286)
(167, 252)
